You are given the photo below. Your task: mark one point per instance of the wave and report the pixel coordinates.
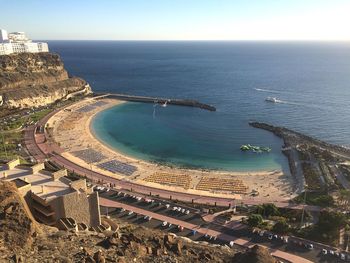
(278, 101)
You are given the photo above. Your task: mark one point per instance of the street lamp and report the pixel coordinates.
(302, 215)
(3, 142)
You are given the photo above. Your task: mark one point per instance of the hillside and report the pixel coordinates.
(22, 239)
(36, 79)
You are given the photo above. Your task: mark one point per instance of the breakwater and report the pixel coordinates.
(179, 102)
(293, 137)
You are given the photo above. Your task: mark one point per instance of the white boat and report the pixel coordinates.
(271, 99)
(165, 104)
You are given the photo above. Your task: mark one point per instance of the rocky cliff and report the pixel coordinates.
(31, 80)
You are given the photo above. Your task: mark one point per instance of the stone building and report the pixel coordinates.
(51, 196)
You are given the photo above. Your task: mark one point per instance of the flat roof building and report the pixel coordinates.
(51, 196)
(18, 42)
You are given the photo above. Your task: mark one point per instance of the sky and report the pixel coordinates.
(178, 19)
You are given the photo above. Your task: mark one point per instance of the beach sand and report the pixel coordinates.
(71, 130)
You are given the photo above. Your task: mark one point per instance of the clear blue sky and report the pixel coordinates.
(178, 19)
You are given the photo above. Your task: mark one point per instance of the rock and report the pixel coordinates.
(177, 248)
(142, 251)
(18, 258)
(149, 250)
(169, 240)
(157, 251)
(256, 254)
(87, 252)
(125, 239)
(205, 257)
(113, 240)
(121, 260)
(99, 258)
(9, 209)
(89, 259)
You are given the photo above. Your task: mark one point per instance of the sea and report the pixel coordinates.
(310, 80)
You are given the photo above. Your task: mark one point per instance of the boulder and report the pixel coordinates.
(99, 258)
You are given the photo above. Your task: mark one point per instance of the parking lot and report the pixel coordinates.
(193, 216)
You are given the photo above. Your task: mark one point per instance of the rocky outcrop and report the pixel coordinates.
(17, 226)
(256, 254)
(31, 80)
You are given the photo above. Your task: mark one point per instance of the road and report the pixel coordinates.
(234, 231)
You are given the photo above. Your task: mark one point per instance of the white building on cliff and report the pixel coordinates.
(17, 42)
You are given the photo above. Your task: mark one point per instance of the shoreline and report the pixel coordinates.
(93, 134)
(73, 131)
(169, 165)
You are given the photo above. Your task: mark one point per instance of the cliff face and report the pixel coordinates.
(32, 80)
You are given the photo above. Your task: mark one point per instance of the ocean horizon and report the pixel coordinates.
(310, 80)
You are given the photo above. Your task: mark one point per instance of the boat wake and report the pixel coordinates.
(268, 90)
(154, 110)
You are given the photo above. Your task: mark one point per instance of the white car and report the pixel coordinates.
(232, 243)
(130, 213)
(164, 223)
(183, 210)
(187, 212)
(174, 208)
(310, 246)
(167, 206)
(324, 251)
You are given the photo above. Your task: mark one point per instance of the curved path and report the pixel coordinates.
(39, 147)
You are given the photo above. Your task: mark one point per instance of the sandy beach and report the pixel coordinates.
(71, 130)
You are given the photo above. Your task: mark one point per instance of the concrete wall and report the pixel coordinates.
(36, 168)
(57, 175)
(81, 207)
(79, 184)
(12, 164)
(95, 214)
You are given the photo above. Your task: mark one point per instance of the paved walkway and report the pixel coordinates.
(219, 235)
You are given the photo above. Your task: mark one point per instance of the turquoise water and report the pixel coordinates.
(183, 137)
(311, 80)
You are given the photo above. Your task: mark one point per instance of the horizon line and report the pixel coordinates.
(205, 40)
